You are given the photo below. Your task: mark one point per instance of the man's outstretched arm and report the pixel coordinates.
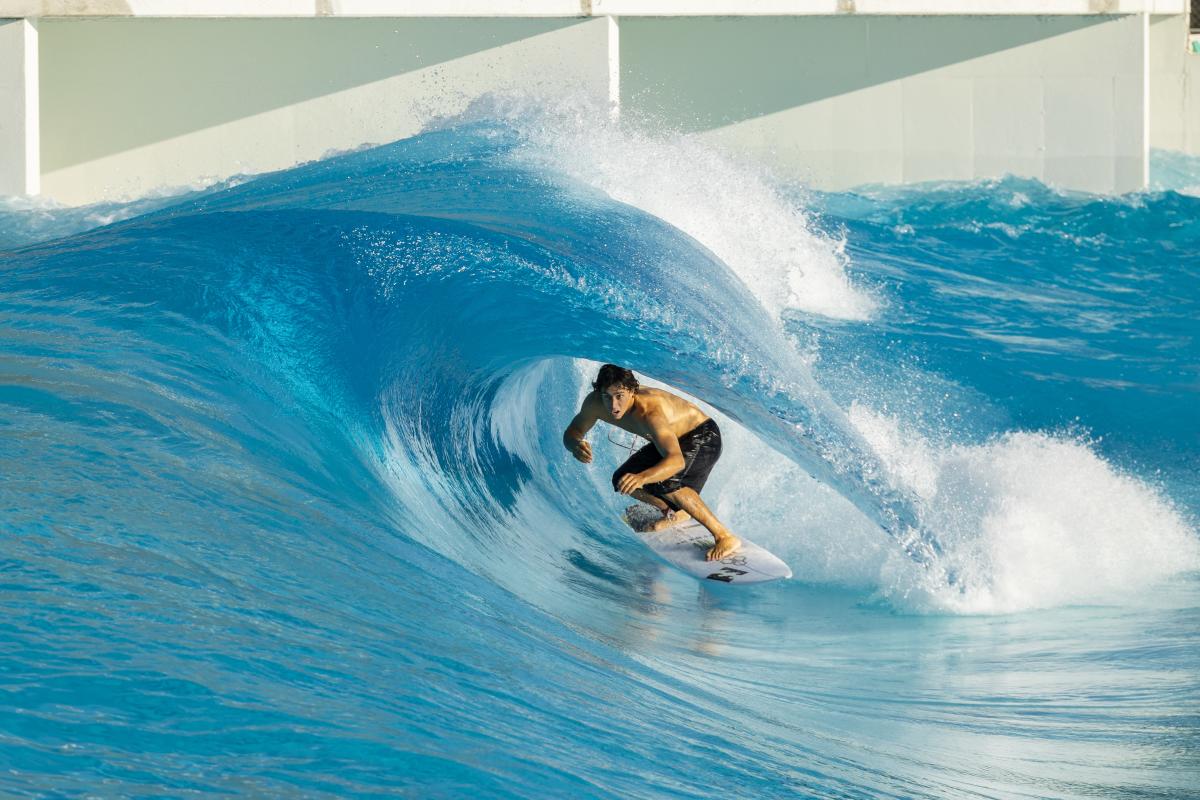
(582, 423)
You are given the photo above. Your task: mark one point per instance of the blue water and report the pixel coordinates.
(285, 511)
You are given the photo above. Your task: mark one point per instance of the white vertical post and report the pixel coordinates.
(20, 146)
(614, 67)
(1145, 101)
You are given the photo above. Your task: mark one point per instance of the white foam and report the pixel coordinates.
(1029, 520)
(766, 239)
(730, 205)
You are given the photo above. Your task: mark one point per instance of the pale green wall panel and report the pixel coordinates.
(132, 104)
(846, 100)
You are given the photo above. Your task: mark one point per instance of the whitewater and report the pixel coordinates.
(285, 509)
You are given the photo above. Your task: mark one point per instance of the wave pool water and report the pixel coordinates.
(285, 510)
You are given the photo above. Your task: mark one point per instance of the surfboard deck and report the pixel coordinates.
(684, 546)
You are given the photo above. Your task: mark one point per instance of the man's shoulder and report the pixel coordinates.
(654, 412)
(662, 395)
(658, 401)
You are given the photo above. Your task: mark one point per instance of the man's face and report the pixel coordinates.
(618, 398)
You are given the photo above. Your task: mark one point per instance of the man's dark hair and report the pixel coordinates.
(611, 374)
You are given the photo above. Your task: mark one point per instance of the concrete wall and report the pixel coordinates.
(19, 166)
(1174, 86)
(129, 105)
(841, 101)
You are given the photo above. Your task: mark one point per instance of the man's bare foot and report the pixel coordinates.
(725, 546)
(668, 520)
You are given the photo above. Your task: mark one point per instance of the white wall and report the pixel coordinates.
(19, 166)
(129, 105)
(1174, 86)
(841, 101)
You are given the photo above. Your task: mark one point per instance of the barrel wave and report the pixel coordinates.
(286, 510)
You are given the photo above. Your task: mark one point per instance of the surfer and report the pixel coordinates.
(668, 473)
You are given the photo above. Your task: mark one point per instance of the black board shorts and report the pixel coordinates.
(701, 447)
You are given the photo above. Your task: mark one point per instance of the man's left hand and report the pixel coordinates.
(630, 482)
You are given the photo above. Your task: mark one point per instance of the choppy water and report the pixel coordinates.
(285, 511)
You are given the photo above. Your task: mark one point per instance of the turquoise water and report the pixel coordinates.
(285, 510)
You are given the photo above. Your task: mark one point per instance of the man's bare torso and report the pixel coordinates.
(678, 414)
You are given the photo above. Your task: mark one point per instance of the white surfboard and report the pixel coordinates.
(684, 546)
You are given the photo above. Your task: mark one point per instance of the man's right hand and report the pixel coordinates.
(583, 451)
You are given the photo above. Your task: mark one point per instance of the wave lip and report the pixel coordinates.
(738, 212)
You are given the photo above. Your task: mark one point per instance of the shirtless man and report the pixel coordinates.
(669, 472)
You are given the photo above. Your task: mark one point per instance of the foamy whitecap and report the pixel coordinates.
(719, 203)
(1029, 520)
(731, 206)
